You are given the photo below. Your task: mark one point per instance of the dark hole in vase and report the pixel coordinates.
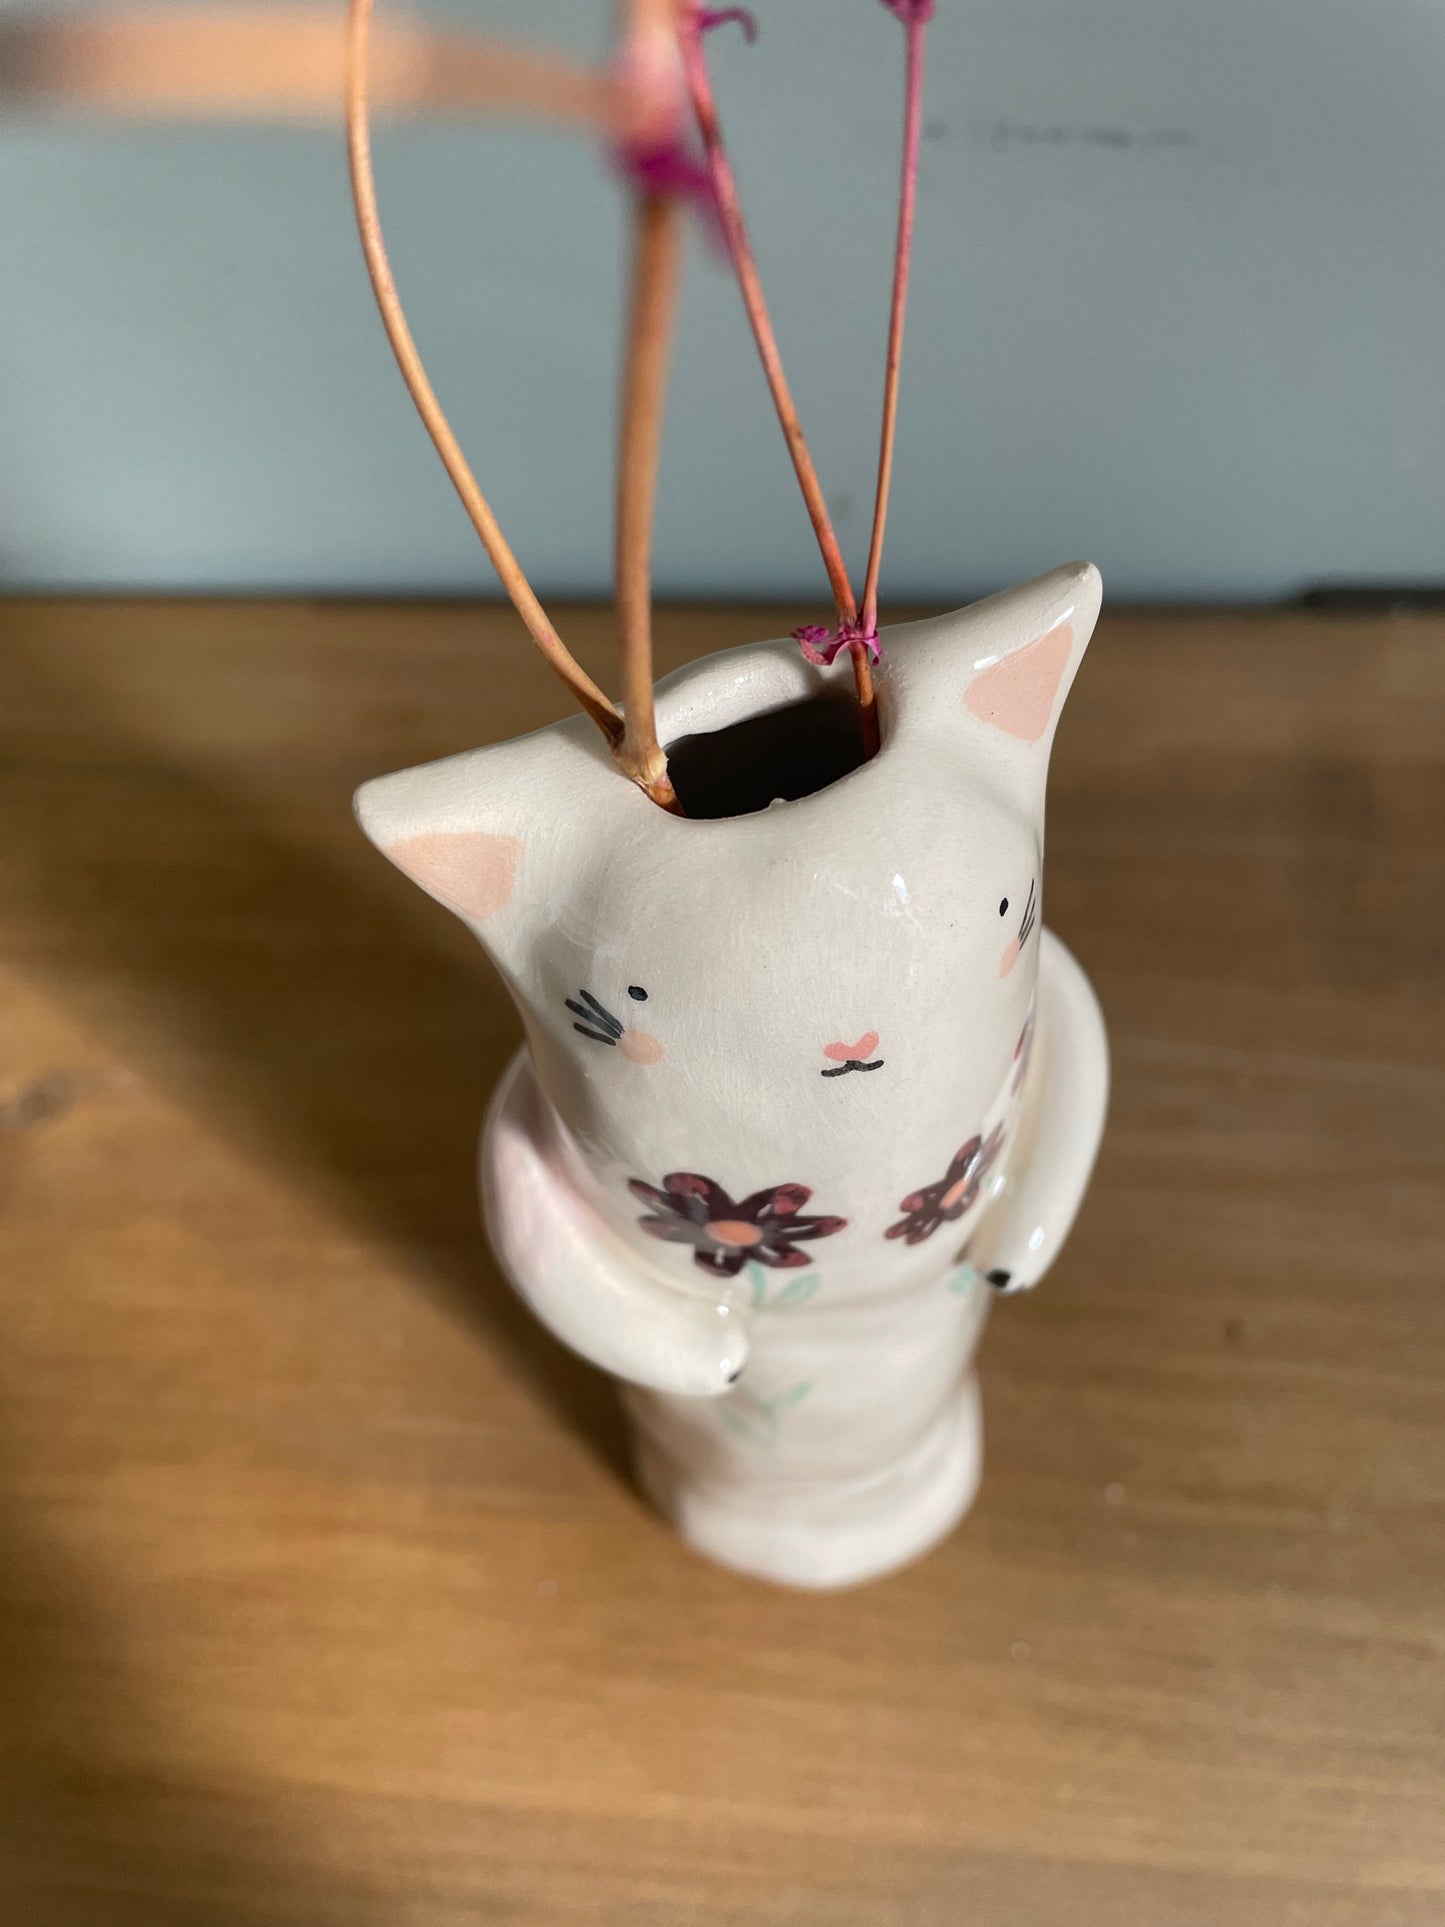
(785, 753)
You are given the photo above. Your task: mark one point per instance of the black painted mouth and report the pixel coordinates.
(853, 1064)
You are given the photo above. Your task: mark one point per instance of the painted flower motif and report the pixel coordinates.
(764, 1229)
(925, 1210)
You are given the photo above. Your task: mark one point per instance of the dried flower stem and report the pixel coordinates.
(750, 286)
(867, 701)
(914, 26)
(286, 63)
(363, 187)
(657, 254)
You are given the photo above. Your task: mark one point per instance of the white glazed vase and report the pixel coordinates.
(802, 1088)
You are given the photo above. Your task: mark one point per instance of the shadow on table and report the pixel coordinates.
(315, 1014)
(306, 1014)
(87, 1840)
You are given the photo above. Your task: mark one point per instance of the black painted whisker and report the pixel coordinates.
(591, 1012)
(596, 1035)
(1030, 915)
(605, 1017)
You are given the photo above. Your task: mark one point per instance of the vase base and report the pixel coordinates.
(820, 1535)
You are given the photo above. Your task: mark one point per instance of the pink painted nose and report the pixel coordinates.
(853, 1053)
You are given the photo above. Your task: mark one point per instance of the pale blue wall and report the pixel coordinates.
(1180, 307)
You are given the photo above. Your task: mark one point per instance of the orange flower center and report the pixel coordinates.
(954, 1192)
(732, 1231)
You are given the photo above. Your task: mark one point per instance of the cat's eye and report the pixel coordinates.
(637, 993)
(1003, 908)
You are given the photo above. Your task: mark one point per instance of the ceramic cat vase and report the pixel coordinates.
(803, 1087)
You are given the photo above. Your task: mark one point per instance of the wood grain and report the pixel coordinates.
(323, 1595)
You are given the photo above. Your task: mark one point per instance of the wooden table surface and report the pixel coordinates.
(323, 1594)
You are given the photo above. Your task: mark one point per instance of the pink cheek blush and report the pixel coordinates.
(640, 1047)
(1009, 958)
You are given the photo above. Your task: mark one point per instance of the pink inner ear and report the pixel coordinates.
(1017, 694)
(467, 869)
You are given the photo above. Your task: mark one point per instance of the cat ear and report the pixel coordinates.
(497, 834)
(1021, 693)
(471, 871)
(1003, 667)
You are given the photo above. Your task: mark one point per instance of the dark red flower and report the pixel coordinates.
(925, 1210)
(766, 1227)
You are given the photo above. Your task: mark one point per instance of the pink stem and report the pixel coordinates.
(750, 286)
(914, 27)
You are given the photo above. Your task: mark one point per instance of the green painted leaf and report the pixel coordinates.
(748, 1418)
(794, 1395)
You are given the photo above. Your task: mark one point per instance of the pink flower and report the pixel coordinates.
(656, 158)
(666, 167)
(822, 646)
(706, 18)
(913, 13)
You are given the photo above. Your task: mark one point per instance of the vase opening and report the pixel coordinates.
(779, 755)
